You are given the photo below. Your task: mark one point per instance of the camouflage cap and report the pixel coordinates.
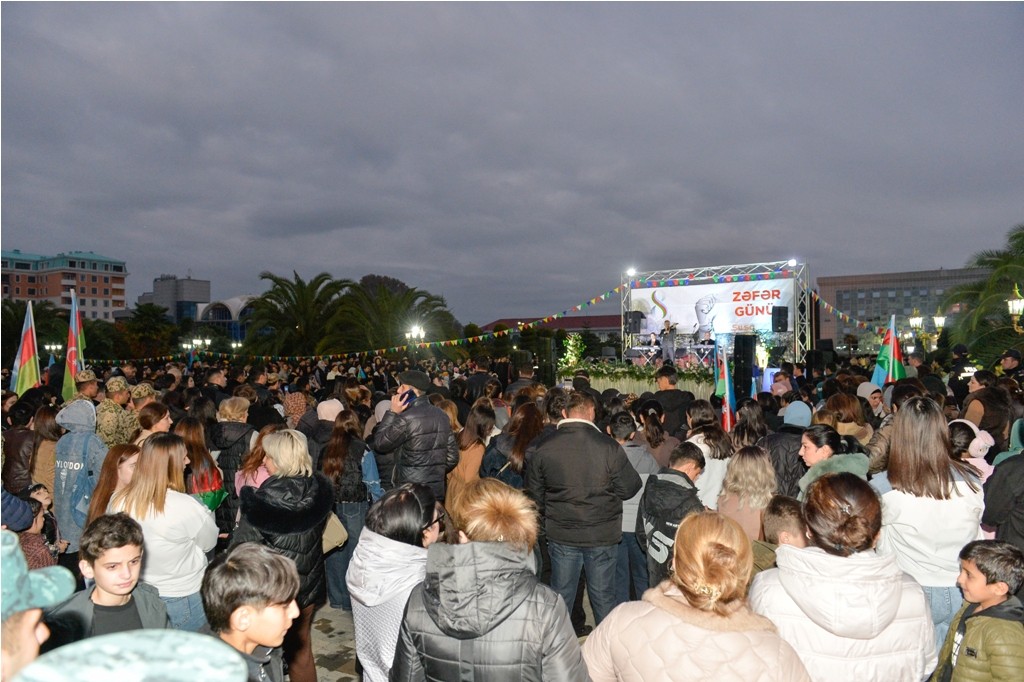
(84, 376)
(24, 589)
(117, 384)
(166, 655)
(143, 390)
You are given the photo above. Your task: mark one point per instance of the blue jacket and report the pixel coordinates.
(79, 452)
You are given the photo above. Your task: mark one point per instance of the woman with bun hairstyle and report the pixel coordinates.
(849, 611)
(931, 504)
(695, 625)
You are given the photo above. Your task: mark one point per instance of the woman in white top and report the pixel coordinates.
(931, 506)
(178, 529)
(389, 561)
(706, 433)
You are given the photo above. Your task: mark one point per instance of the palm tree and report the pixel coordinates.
(292, 316)
(984, 322)
(377, 313)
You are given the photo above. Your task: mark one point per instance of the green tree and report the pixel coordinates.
(377, 313)
(147, 333)
(983, 323)
(51, 326)
(293, 316)
(102, 341)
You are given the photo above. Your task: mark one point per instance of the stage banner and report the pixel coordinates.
(704, 310)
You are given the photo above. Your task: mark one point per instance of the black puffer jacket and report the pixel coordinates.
(784, 451)
(416, 446)
(579, 478)
(231, 440)
(289, 514)
(668, 497)
(481, 614)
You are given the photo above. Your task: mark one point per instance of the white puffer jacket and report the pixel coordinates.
(664, 638)
(857, 618)
(380, 577)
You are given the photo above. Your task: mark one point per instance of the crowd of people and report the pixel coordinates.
(462, 512)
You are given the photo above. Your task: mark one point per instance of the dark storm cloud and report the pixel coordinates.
(513, 158)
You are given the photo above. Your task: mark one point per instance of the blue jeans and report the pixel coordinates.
(186, 613)
(352, 516)
(566, 564)
(944, 602)
(630, 568)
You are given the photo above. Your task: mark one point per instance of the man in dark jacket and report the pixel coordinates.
(673, 400)
(18, 442)
(579, 478)
(414, 440)
(1004, 503)
(668, 497)
(960, 373)
(783, 448)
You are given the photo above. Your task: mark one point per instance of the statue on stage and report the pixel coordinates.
(705, 327)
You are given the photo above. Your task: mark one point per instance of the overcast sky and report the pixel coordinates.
(513, 158)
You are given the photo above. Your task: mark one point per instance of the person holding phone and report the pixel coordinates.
(414, 441)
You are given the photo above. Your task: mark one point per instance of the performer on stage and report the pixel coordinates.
(668, 346)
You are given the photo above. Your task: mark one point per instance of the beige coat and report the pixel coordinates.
(664, 638)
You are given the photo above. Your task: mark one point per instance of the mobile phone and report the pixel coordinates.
(408, 397)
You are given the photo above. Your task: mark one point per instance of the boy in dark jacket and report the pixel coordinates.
(110, 553)
(249, 598)
(668, 497)
(986, 637)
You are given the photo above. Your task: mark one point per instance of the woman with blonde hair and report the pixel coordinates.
(749, 485)
(178, 529)
(231, 439)
(288, 513)
(514, 628)
(695, 625)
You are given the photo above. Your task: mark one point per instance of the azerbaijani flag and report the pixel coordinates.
(889, 366)
(724, 388)
(26, 362)
(75, 359)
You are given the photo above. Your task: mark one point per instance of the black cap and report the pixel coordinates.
(959, 349)
(415, 378)
(1012, 353)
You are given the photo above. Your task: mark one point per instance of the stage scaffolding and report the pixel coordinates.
(797, 342)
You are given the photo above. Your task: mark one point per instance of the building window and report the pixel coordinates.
(106, 280)
(81, 290)
(94, 278)
(72, 264)
(876, 294)
(94, 314)
(17, 291)
(106, 316)
(94, 292)
(94, 266)
(118, 268)
(81, 278)
(106, 303)
(106, 292)
(31, 291)
(31, 279)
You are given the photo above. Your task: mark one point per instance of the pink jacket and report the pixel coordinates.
(664, 638)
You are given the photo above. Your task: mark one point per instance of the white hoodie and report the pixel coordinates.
(380, 577)
(856, 618)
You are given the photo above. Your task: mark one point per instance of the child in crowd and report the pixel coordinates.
(50, 531)
(249, 598)
(110, 554)
(33, 544)
(668, 496)
(986, 637)
(783, 525)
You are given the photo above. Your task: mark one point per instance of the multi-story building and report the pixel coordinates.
(181, 297)
(98, 280)
(874, 298)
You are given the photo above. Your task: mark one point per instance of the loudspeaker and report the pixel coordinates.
(780, 318)
(825, 344)
(743, 349)
(634, 321)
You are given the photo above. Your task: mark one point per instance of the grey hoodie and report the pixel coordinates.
(79, 452)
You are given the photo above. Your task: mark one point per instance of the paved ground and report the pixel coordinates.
(334, 645)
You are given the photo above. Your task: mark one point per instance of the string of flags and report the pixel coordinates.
(717, 279)
(828, 307)
(205, 354)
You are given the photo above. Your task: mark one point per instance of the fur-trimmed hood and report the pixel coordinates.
(739, 618)
(288, 504)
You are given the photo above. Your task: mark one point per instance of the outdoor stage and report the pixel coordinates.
(693, 311)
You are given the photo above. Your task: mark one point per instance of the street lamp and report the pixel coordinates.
(53, 348)
(940, 321)
(1016, 306)
(235, 345)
